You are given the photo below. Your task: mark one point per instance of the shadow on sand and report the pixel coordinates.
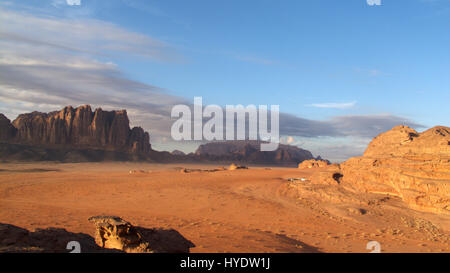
(14, 239)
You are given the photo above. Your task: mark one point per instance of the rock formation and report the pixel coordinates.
(82, 135)
(112, 232)
(313, 163)
(233, 167)
(7, 131)
(249, 152)
(113, 235)
(402, 162)
(76, 128)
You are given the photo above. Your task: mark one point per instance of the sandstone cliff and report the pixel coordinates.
(76, 128)
(402, 162)
(82, 135)
(7, 131)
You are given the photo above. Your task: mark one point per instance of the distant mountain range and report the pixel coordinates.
(249, 151)
(80, 134)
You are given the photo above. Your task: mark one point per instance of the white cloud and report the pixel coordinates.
(334, 105)
(374, 2)
(73, 2)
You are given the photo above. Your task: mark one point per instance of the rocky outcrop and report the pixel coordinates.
(402, 162)
(139, 141)
(313, 163)
(233, 167)
(115, 233)
(7, 131)
(403, 141)
(249, 152)
(112, 232)
(76, 128)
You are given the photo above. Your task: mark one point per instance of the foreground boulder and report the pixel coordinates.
(402, 162)
(113, 235)
(113, 232)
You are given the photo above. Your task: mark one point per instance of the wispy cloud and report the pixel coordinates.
(47, 63)
(334, 105)
(59, 3)
(82, 35)
(342, 126)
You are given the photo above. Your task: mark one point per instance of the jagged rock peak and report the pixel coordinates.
(77, 127)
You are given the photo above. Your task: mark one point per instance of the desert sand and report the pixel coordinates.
(248, 210)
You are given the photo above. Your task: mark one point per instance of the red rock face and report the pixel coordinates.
(402, 162)
(139, 140)
(7, 131)
(78, 128)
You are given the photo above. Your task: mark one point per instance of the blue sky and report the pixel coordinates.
(337, 62)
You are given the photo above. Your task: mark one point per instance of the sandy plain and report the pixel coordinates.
(218, 211)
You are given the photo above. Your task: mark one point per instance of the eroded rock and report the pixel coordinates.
(113, 232)
(311, 164)
(402, 162)
(116, 233)
(77, 128)
(7, 130)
